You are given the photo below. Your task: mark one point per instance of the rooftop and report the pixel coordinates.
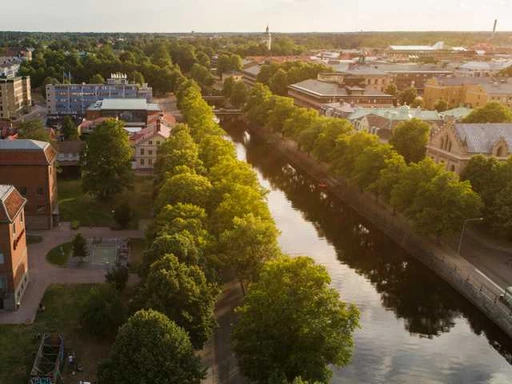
(321, 88)
(124, 104)
(10, 203)
(397, 114)
(23, 144)
(480, 138)
(26, 152)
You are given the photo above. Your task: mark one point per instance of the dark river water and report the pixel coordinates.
(414, 327)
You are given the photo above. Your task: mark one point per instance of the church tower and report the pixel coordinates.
(268, 39)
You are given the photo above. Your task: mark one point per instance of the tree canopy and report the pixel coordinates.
(410, 139)
(106, 161)
(150, 348)
(292, 323)
(492, 112)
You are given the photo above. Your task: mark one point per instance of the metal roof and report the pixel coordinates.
(124, 104)
(23, 144)
(480, 138)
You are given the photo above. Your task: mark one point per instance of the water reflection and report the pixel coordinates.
(428, 307)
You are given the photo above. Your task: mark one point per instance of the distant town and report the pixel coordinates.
(150, 185)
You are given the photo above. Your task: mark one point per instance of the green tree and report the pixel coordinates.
(102, 313)
(410, 139)
(347, 150)
(117, 276)
(418, 102)
(300, 120)
(389, 176)
(213, 149)
(292, 323)
(279, 83)
(106, 167)
(441, 105)
(34, 130)
(239, 94)
(248, 245)
(370, 163)
(281, 109)
(69, 129)
(97, 79)
(137, 77)
(180, 244)
(442, 205)
(492, 112)
(183, 294)
(391, 89)
(184, 188)
(256, 106)
(202, 76)
(79, 246)
(150, 348)
(227, 87)
(501, 211)
(325, 143)
(407, 96)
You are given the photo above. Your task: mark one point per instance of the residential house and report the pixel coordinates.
(455, 143)
(30, 166)
(68, 156)
(14, 275)
(146, 143)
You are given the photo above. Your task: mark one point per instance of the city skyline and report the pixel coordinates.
(246, 16)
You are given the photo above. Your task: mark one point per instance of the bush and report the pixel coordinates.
(102, 312)
(117, 276)
(75, 224)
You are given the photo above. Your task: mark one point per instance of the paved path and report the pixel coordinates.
(42, 274)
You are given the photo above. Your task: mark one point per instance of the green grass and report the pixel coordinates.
(19, 343)
(138, 247)
(57, 257)
(75, 205)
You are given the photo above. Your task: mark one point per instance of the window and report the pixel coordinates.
(39, 190)
(141, 161)
(150, 152)
(150, 142)
(142, 151)
(158, 141)
(14, 229)
(150, 161)
(23, 191)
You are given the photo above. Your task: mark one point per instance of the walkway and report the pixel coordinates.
(42, 274)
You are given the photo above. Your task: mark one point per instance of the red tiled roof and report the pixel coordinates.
(167, 119)
(11, 203)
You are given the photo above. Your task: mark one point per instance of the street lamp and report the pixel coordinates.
(463, 228)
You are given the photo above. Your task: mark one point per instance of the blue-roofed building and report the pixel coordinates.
(454, 144)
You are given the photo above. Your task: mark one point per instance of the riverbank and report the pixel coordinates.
(440, 258)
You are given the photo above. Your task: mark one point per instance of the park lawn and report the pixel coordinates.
(75, 205)
(137, 248)
(57, 257)
(20, 343)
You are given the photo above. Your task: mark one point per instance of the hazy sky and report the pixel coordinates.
(253, 15)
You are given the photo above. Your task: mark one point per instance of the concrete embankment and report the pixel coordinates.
(439, 257)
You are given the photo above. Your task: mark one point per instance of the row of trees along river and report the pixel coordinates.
(414, 326)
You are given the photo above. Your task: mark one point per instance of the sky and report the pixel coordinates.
(254, 15)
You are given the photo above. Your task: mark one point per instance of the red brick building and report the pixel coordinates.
(13, 248)
(29, 165)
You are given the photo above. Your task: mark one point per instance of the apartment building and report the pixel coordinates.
(14, 275)
(30, 166)
(74, 99)
(15, 97)
(9, 66)
(146, 143)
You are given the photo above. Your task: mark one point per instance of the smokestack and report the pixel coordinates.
(158, 124)
(494, 27)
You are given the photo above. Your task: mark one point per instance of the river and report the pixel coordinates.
(415, 328)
